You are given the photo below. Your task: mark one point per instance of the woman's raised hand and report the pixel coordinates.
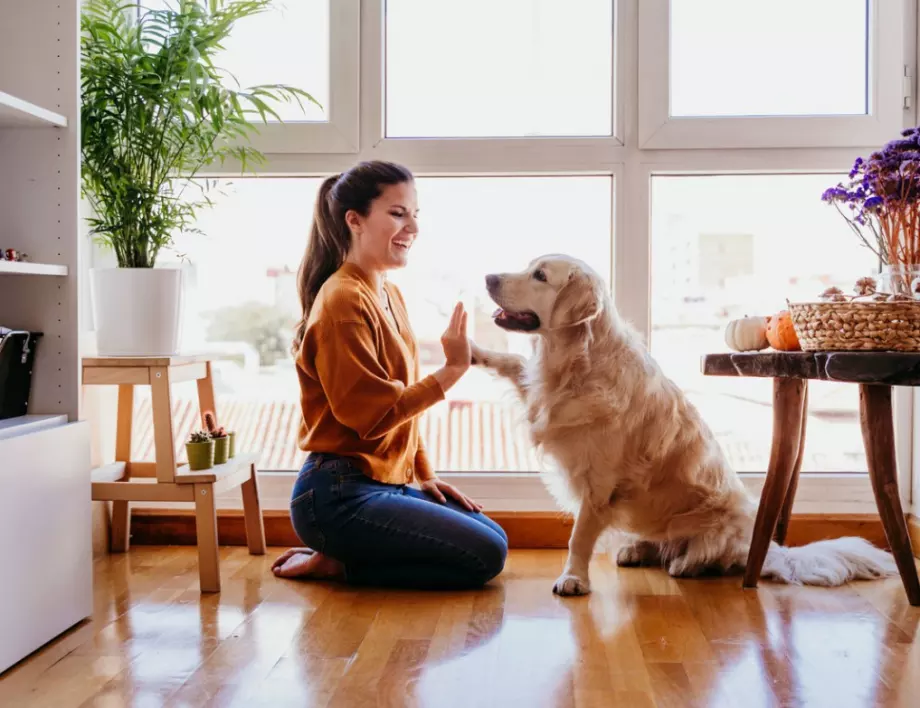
(454, 341)
(456, 347)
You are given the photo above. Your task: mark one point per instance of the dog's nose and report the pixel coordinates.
(492, 282)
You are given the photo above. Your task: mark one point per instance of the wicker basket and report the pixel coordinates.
(857, 326)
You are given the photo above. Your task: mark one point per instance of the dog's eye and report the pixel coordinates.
(540, 275)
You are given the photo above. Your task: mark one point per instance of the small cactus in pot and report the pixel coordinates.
(220, 437)
(200, 450)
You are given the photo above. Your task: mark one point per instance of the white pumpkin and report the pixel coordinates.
(747, 334)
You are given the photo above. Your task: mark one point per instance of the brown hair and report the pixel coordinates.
(330, 237)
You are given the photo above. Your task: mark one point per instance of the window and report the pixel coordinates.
(723, 74)
(309, 44)
(472, 227)
(241, 302)
(288, 44)
(536, 126)
(487, 69)
(729, 246)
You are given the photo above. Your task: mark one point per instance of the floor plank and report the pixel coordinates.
(641, 639)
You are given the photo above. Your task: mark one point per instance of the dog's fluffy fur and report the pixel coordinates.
(631, 452)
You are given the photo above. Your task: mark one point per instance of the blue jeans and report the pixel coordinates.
(392, 535)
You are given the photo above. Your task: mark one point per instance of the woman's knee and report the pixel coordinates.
(492, 552)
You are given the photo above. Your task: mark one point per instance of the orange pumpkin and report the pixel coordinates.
(781, 334)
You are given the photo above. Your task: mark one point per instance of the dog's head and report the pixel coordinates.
(553, 292)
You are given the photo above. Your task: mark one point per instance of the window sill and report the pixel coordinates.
(516, 492)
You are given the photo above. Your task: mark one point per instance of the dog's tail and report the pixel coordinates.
(829, 563)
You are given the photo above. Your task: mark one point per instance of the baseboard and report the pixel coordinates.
(525, 529)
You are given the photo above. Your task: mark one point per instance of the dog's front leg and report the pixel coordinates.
(589, 524)
(509, 366)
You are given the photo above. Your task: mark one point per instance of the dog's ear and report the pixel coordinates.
(579, 301)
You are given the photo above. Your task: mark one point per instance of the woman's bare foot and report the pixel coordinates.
(306, 563)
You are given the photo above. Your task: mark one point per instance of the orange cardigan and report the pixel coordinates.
(360, 391)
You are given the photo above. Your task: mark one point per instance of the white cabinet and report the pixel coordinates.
(45, 528)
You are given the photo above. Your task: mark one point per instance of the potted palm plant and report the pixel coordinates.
(156, 111)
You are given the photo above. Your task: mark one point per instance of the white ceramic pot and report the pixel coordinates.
(137, 311)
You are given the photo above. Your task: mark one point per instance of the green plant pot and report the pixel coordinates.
(200, 455)
(221, 450)
(232, 437)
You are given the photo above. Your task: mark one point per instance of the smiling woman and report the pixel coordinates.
(362, 394)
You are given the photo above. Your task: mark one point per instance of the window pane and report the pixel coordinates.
(471, 227)
(515, 68)
(287, 44)
(241, 302)
(728, 246)
(784, 57)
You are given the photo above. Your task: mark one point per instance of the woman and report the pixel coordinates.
(361, 397)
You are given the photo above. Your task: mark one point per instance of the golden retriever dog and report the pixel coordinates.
(631, 453)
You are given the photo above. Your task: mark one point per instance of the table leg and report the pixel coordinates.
(206, 528)
(252, 514)
(121, 511)
(782, 526)
(788, 410)
(875, 416)
(206, 401)
(164, 443)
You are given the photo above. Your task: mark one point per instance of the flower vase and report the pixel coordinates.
(900, 280)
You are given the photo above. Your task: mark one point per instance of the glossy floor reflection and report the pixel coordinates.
(642, 639)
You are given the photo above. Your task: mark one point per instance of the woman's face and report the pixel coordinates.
(384, 237)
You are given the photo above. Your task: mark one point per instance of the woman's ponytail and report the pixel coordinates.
(326, 251)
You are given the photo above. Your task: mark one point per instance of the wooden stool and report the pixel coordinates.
(875, 373)
(164, 480)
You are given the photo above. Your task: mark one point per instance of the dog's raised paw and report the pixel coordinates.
(477, 355)
(570, 585)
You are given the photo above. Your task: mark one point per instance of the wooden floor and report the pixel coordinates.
(642, 639)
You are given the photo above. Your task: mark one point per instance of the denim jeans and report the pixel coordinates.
(392, 535)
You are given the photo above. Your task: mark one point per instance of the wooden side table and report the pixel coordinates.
(163, 480)
(875, 373)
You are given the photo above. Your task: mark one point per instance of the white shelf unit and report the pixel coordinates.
(17, 113)
(29, 268)
(28, 424)
(45, 494)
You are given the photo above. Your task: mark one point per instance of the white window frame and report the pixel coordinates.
(339, 133)
(526, 154)
(659, 129)
(629, 159)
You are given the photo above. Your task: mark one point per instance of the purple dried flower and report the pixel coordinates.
(856, 166)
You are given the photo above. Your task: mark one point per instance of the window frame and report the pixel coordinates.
(527, 153)
(339, 133)
(658, 129)
(635, 151)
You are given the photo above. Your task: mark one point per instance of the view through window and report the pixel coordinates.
(241, 303)
(821, 68)
(728, 246)
(540, 67)
(288, 43)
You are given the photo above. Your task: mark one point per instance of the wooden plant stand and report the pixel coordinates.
(164, 480)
